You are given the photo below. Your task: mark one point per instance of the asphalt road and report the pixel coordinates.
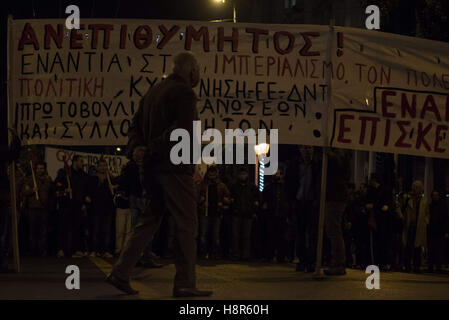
(44, 278)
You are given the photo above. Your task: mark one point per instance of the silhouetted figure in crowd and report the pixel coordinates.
(78, 225)
(337, 179)
(437, 230)
(213, 196)
(415, 220)
(7, 155)
(37, 201)
(276, 219)
(102, 211)
(380, 204)
(245, 202)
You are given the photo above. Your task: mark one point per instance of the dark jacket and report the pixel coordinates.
(129, 180)
(244, 195)
(168, 105)
(101, 196)
(7, 154)
(218, 197)
(44, 186)
(275, 199)
(438, 218)
(81, 187)
(338, 174)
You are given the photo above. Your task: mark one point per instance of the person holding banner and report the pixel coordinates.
(7, 154)
(102, 211)
(80, 191)
(36, 191)
(168, 105)
(337, 180)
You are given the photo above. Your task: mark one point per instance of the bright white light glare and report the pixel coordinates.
(367, 101)
(119, 149)
(262, 148)
(219, 1)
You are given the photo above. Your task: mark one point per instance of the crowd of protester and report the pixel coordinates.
(91, 214)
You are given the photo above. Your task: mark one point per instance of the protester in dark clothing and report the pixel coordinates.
(337, 179)
(437, 229)
(168, 105)
(80, 188)
(7, 155)
(63, 212)
(380, 205)
(37, 201)
(277, 217)
(350, 216)
(130, 182)
(102, 211)
(213, 196)
(244, 205)
(415, 219)
(306, 201)
(360, 228)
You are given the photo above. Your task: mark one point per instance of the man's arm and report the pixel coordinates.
(135, 134)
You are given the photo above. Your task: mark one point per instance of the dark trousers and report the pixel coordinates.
(412, 254)
(383, 239)
(177, 193)
(362, 243)
(306, 232)
(209, 231)
(101, 232)
(436, 249)
(334, 231)
(241, 237)
(72, 228)
(37, 228)
(266, 235)
(4, 234)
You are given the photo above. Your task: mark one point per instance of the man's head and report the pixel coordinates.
(375, 180)
(417, 187)
(102, 166)
(212, 173)
(306, 152)
(187, 67)
(435, 195)
(77, 162)
(243, 174)
(41, 168)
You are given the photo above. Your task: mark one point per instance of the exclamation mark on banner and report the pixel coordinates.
(339, 44)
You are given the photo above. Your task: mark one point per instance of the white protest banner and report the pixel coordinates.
(394, 96)
(55, 160)
(389, 93)
(81, 87)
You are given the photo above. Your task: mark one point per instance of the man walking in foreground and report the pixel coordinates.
(169, 105)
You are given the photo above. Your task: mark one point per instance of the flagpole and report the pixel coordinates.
(12, 178)
(319, 259)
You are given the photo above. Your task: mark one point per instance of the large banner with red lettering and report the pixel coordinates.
(394, 97)
(343, 87)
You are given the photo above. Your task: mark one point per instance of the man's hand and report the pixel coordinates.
(369, 206)
(385, 208)
(84, 208)
(87, 199)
